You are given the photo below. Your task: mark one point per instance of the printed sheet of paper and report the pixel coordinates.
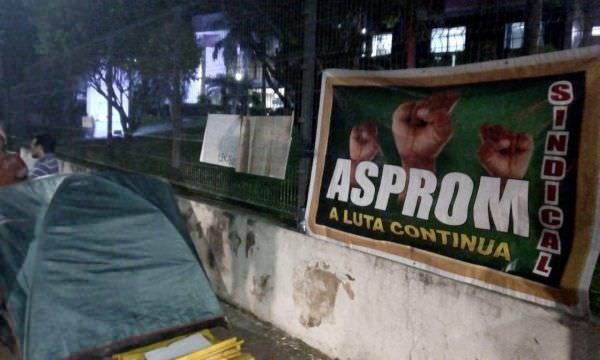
(221, 140)
(265, 145)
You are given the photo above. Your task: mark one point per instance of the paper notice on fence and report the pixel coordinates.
(221, 140)
(265, 145)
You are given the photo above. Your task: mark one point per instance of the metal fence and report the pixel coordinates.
(257, 57)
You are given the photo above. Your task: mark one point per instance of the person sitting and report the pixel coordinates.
(42, 149)
(12, 167)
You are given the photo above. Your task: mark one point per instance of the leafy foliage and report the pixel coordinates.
(112, 45)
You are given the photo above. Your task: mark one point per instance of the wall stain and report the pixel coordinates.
(261, 286)
(250, 242)
(315, 293)
(188, 215)
(349, 291)
(215, 235)
(235, 241)
(526, 350)
(212, 263)
(427, 279)
(199, 229)
(229, 216)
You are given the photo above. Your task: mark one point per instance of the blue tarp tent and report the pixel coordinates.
(94, 263)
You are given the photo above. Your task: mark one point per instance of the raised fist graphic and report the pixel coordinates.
(364, 145)
(503, 153)
(422, 128)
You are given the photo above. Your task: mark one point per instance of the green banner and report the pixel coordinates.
(480, 167)
(459, 171)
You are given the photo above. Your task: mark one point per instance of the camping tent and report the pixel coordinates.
(94, 263)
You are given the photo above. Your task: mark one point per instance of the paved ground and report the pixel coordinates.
(262, 340)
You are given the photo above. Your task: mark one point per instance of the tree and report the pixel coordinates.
(17, 38)
(148, 97)
(96, 40)
(234, 94)
(170, 54)
(254, 26)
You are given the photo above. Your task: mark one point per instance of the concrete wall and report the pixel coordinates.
(353, 305)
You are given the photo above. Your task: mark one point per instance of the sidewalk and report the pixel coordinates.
(262, 340)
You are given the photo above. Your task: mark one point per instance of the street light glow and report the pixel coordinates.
(238, 76)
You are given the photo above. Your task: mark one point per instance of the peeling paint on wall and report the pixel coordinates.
(212, 262)
(262, 287)
(215, 241)
(315, 293)
(250, 242)
(188, 215)
(235, 241)
(198, 228)
(217, 235)
(348, 288)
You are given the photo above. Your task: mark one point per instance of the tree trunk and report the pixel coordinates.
(203, 75)
(263, 88)
(109, 92)
(532, 27)
(176, 118)
(124, 121)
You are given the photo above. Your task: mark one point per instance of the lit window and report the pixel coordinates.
(596, 31)
(272, 100)
(444, 40)
(382, 44)
(513, 35)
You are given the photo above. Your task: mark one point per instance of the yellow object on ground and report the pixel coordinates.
(229, 349)
(138, 353)
(224, 350)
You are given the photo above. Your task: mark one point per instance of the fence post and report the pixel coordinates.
(307, 117)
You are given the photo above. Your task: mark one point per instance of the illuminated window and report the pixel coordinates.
(271, 98)
(382, 45)
(596, 31)
(447, 40)
(514, 34)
